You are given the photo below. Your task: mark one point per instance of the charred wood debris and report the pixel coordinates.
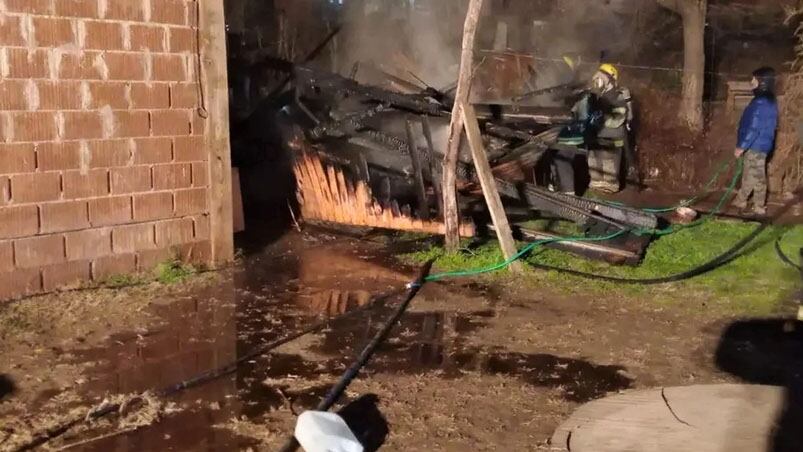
(376, 134)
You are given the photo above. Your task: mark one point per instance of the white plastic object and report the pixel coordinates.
(321, 431)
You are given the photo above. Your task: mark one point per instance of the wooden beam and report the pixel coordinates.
(418, 174)
(489, 190)
(214, 111)
(451, 213)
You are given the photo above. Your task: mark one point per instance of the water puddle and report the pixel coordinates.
(283, 291)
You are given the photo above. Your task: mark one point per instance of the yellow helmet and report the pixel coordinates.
(610, 70)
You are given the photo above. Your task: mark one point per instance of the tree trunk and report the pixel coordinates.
(693, 13)
(451, 211)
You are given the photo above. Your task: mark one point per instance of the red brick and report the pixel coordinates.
(184, 95)
(189, 202)
(131, 179)
(153, 150)
(200, 174)
(125, 66)
(150, 95)
(192, 14)
(5, 190)
(78, 66)
(18, 221)
(189, 149)
(82, 125)
(28, 6)
(198, 124)
(170, 122)
(172, 176)
(148, 259)
(167, 67)
(12, 95)
(53, 32)
(104, 268)
(153, 206)
(20, 282)
(61, 95)
(6, 256)
(197, 253)
(144, 37)
(174, 232)
(17, 158)
(182, 39)
(64, 216)
(112, 94)
(26, 63)
(124, 10)
(38, 251)
(11, 32)
(88, 244)
(169, 12)
(35, 187)
(110, 211)
(128, 239)
(69, 274)
(109, 153)
(77, 8)
(92, 184)
(35, 126)
(104, 36)
(202, 231)
(58, 156)
(132, 124)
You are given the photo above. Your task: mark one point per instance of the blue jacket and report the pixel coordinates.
(758, 125)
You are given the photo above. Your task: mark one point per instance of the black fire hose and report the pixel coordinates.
(784, 258)
(348, 376)
(713, 264)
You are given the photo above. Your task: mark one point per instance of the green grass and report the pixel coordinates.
(756, 282)
(173, 271)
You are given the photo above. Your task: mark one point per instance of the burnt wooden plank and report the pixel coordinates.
(418, 175)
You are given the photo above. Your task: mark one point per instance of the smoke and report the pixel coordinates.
(404, 37)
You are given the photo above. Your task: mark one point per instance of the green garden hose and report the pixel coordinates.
(707, 217)
(659, 232)
(520, 254)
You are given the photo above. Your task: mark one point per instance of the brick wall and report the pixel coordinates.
(103, 162)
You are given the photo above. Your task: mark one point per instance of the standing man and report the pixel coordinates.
(756, 140)
(615, 102)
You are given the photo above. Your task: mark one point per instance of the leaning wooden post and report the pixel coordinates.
(489, 190)
(451, 212)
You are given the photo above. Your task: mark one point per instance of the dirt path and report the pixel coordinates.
(473, 365)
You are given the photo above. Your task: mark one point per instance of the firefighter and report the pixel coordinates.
(612, 144)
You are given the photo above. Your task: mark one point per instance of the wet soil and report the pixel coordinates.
(474, 365)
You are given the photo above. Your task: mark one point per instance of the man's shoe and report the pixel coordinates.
(739, 205)
(760, 211)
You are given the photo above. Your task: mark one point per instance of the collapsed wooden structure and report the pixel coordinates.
(367, 156)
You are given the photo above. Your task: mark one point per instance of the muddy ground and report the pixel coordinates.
(475, 365)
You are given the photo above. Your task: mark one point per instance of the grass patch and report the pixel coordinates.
(173, 271)
(756, 282)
